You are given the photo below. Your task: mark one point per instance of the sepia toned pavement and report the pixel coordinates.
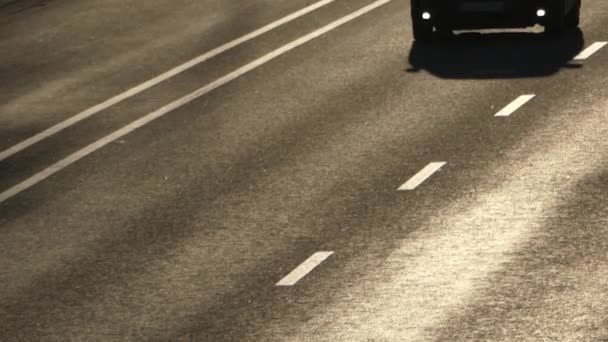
(298, 171)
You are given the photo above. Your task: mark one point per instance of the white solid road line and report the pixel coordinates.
(304, 268)
(421, 176)
(593, 48)
(515, 105)
(156, 80)
(182, 101)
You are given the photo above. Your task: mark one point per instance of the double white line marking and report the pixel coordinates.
(156, 80)
(178, 103)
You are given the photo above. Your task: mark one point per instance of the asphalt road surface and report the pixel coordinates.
(177, 170)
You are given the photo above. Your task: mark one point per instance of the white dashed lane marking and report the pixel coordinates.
(304, 268)
(421, 176)
(515, 105)
(593, 48)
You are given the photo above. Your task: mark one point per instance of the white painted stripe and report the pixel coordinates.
(421, 176)
(593, 48)
(304, 268)
(515, 105)
(182, 101)
(156, 80)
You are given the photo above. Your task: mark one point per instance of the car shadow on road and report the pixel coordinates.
(497, 55)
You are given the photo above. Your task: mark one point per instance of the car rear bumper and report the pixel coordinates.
(490, 13)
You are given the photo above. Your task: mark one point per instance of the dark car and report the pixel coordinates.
(432, 18)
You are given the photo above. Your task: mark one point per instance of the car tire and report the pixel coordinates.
(556, 23)
(573, 18)
(423, 31)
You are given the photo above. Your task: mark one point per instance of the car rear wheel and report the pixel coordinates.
(556, 21)
(423, 30)
(573, 18)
